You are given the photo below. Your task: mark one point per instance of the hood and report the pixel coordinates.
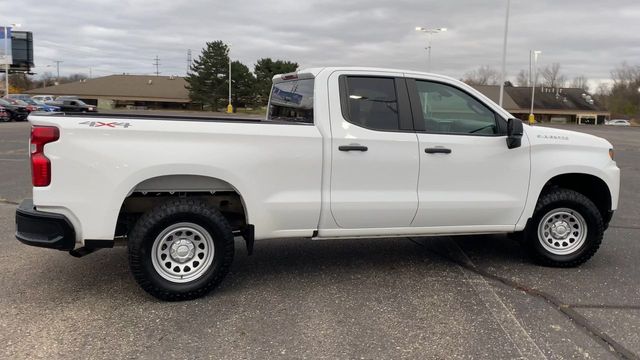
(548, 135)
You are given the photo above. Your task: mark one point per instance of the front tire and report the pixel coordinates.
(180, 250)
(566, 229)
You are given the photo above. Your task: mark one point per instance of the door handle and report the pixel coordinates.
(437, 150)
(354, 147)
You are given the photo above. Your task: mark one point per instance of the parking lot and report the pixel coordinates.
(426, 298)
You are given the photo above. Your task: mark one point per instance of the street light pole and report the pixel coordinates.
(530, 68)
(429, 33)
(504, 53)
(532, 118)
(639, 93)
(229, 106)
(6, 63)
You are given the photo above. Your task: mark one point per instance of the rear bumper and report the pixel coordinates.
(41, 229)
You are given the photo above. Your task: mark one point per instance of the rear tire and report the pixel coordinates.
(180, 250)
(566, 229)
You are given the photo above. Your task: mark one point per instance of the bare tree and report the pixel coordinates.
(603, 94)
(580, 82)
(522, 79)
(484, 75)
(625, 97)
(72, 78)
(47, 79)
(626, 75)
(551, 76)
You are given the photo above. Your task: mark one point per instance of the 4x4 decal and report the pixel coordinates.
(114, 124)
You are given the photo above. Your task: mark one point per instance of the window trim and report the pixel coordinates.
(418, 118)
(405, 115)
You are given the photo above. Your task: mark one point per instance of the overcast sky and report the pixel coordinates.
(586, 36)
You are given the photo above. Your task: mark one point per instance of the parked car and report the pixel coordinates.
(16, 112)
(75, 106)
(46, 107)
(4, 114)
(66, 97)
(43, 98)
(18, 96)
(618, 122)
(30, 101)
(343, 153)
(30, 108)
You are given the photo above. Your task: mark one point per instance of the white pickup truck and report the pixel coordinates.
(343, 153)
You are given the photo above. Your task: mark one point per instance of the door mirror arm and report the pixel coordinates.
(514, 133)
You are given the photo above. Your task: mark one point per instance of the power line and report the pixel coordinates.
(157, 65)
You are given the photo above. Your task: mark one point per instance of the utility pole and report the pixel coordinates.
(90, 72)
(188, 61)
(156, 63)
(58, 70)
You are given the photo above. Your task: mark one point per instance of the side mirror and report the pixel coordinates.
(514, 133)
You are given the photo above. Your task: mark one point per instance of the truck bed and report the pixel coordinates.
(162, 116)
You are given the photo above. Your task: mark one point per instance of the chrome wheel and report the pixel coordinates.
(562, 231)
(182, 252)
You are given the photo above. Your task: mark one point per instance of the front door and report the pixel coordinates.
(374, 165)
(468, 176)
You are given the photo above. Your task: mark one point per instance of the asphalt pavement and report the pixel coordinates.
(420, 298)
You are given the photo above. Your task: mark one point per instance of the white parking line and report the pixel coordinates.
(505, 318)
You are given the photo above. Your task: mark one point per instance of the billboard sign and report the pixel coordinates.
(5, 46)
(21, 51)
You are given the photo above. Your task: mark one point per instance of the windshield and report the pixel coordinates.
(30, 101)
(4, 102)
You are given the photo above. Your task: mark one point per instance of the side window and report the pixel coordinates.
(372, 103)
(446, 109)
(292, 101)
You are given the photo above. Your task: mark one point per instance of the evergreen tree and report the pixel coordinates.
(265, 69)
(243, 85)
(207, 80)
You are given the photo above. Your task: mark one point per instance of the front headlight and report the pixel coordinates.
(611, 154)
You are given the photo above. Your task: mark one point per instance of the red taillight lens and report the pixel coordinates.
(40, 164)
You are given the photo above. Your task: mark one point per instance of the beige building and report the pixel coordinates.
(125, 91)
(553, 105)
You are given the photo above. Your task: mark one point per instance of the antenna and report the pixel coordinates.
(156, 63)
(188, 60)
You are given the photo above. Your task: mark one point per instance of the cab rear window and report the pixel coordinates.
(292, 101)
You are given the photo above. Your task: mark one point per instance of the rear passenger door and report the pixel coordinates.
(374, 165)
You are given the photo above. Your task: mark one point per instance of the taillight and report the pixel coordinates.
(40, 164)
